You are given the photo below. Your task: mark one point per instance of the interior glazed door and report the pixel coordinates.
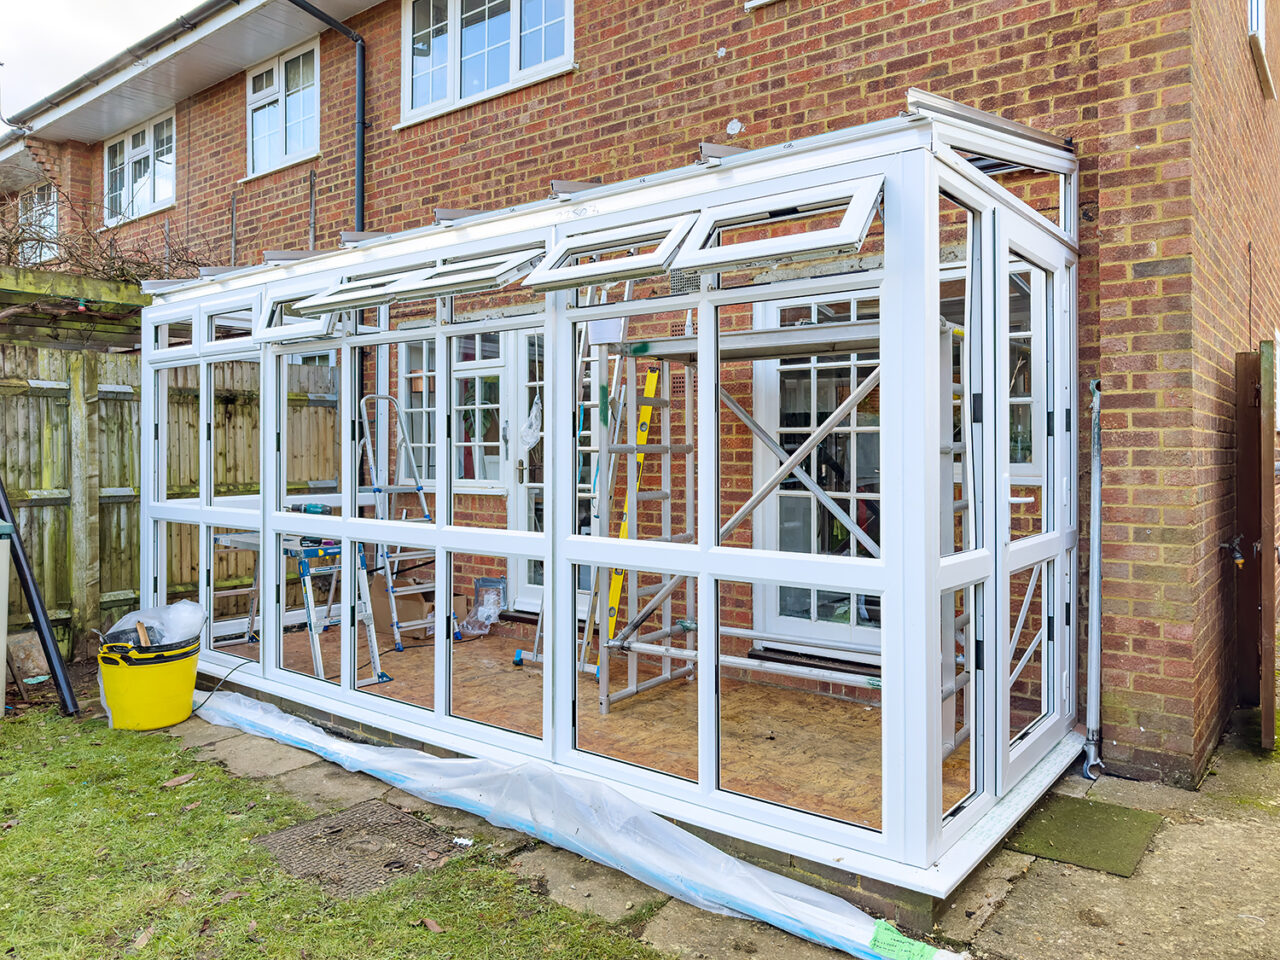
(1035, 497)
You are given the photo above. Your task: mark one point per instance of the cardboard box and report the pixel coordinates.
(409, 607)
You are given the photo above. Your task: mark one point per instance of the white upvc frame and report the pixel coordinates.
(554, 274)
(914, 847)
(276, 92)
(454, 99)
(863, 195)
(132, 152)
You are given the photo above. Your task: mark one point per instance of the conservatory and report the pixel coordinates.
(749, 487)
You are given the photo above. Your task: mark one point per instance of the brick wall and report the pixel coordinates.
(1164, 228)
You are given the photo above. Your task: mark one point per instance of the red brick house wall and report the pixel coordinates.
(1166, 213)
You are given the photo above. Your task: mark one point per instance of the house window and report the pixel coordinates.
(461, 50)
(38, 224)
(283, 102)
(478, 428)
(418, 405)
(140, 170)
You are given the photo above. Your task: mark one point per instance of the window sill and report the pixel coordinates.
(752, 4)
(527, 79)
(121, 221)
(296, 161)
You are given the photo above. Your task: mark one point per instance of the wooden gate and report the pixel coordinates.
(1256, 539)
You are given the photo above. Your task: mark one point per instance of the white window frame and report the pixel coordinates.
(1032, 472)
(134, 207)
(275, 92)
(42, 216)
(518, 77)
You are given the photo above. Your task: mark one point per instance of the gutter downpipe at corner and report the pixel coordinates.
(342, 28)
(1093, 694)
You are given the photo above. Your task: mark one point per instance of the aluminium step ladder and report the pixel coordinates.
(390, 558)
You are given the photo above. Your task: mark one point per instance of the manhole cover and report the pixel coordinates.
(360, 849)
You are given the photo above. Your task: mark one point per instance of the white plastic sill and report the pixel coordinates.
(410, 118)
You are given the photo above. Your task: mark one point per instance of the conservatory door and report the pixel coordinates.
(1034, 374)
(528, 479)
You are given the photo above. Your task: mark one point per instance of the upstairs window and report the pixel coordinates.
(283, 105)
(140, 170)
(38, 225)
(457, 51)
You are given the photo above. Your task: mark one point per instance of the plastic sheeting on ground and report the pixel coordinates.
(596, 822)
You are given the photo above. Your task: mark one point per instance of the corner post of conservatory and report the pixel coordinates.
(443, 648)
(559, 505)
(913, 378)
(147, 468)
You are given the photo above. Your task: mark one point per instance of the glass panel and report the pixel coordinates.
(311, 445)
(487, 683)
(176, 333)
(395, 440)
(404, 619)
(961, 631)
(960, 464)
(265, 144)
(641, 706)
(1030, 677)
(237, 408)
(542, 29)
(798, 731)
(140, 185)
(235, 607)
(231, 323)
(263, 81)
(178, 401)
(115, 179)
(430, 66)
(529, 466)
(163, 150)
(178, 552)
(486, 45)
(300, 104)
(636, 441)
(311, 614)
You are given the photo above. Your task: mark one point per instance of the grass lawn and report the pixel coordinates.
(99, 860)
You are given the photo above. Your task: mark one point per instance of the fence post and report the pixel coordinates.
(86, 598)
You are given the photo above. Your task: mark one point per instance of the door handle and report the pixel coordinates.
(520, 477)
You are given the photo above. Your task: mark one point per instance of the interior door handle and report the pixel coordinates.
(520, 479)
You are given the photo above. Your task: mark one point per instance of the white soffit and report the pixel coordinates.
(228, 44)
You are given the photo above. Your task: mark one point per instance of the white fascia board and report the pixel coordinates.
(492, 231)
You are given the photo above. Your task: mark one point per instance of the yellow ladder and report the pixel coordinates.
(643, 419)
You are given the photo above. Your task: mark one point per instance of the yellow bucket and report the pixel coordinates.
(148, 689)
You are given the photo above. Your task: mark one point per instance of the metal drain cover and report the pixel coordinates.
(360, 849)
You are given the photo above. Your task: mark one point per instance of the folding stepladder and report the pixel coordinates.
(390, 557)
(306, 554)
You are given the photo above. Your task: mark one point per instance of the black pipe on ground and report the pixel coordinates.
(35, 603)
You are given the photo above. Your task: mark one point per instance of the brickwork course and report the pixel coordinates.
(1177, 148)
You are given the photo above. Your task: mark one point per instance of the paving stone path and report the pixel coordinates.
(1208, 888)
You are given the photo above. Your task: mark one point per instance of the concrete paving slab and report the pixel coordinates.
(973, 903)
(247, 756)
(1072, 784)
(1244, 779)
(689, 933)
(327, 787)
(499, 841)
(1206, 890)
(195, 732)
(583, 885)
(1173, 802)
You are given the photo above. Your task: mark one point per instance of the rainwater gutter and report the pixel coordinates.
(1093, 690)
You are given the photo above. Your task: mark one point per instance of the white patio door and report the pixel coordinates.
(1035, 494)
(528, 478)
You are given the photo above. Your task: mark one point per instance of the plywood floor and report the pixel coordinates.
(796, 748)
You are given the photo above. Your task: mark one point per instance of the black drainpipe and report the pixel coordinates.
(358, 40)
